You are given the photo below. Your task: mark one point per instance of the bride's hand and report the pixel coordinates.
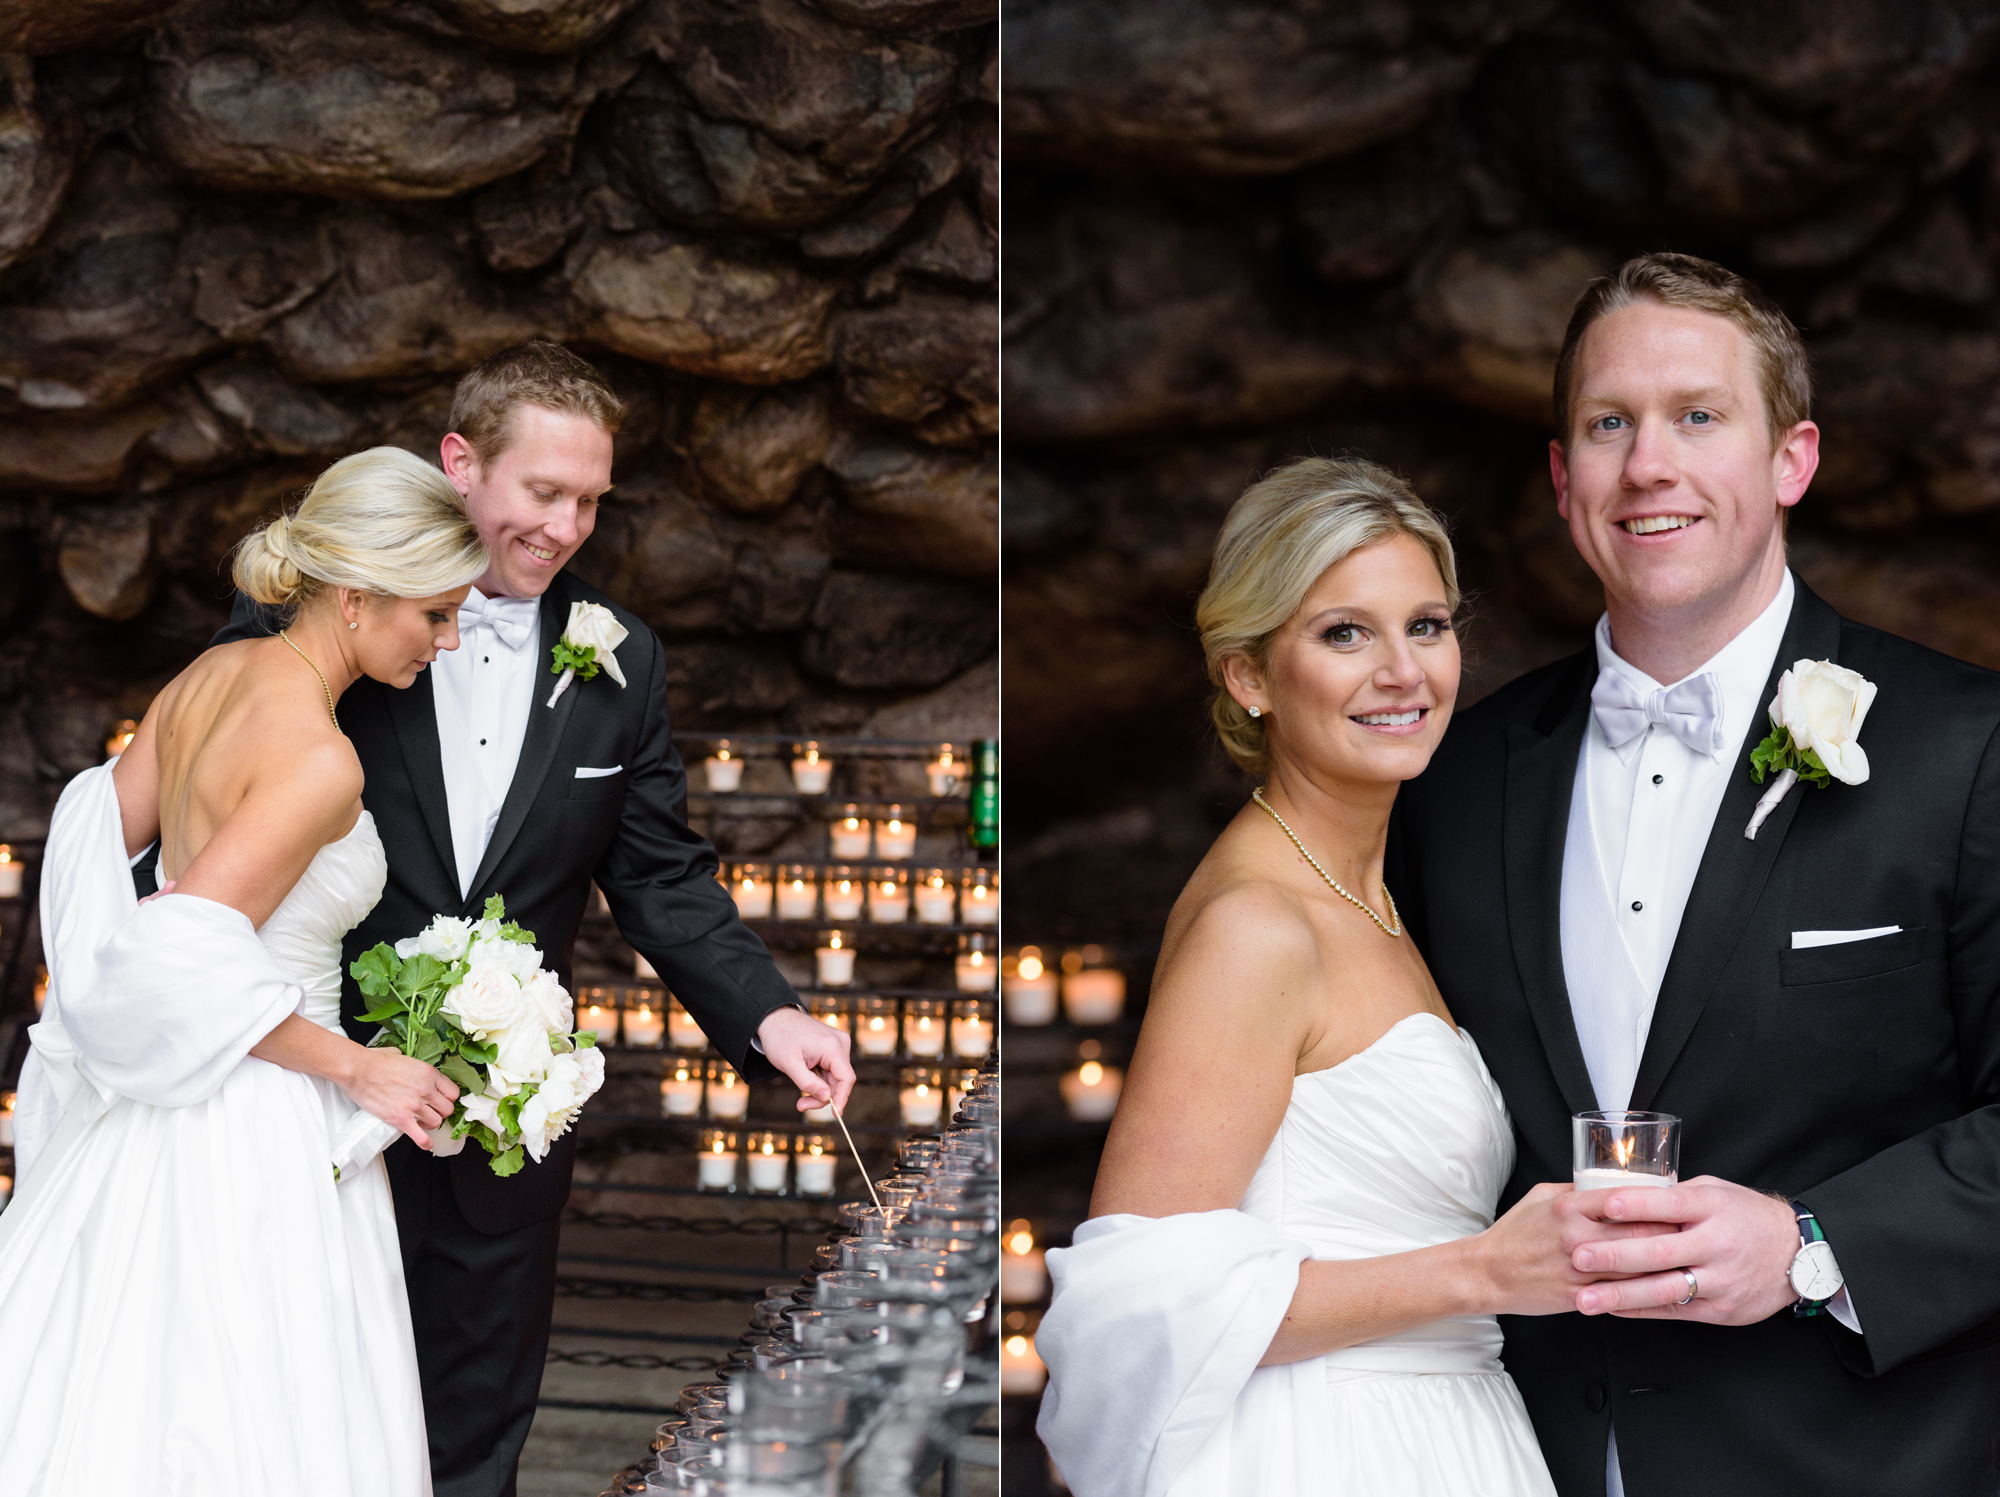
(404, 1093)
(1525, 1256)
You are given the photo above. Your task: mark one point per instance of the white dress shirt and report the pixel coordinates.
(483, 691)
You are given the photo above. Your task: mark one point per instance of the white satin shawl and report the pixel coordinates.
(1152, 1342)
(157, 1002)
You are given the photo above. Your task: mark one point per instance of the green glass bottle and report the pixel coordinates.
(984, 831)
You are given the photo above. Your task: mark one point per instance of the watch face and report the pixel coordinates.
(1815, 1276)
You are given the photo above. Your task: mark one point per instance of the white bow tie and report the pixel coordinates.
(512, 620)
(1691, 711)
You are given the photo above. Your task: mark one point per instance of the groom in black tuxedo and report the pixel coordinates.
(478, 787)
(1820, 1004)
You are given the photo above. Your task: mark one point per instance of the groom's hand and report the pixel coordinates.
(812, 1053)
(1738, 1243)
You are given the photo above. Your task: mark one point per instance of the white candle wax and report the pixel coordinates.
(876, 1034)
(1617, 1179)
(767, 1171)
(726, 1101)
(889, 906)
(753, 898)
(843, 899)
(835, 965)
(850, 838)
(717, 1171)
(895, 840)
(924, 1035)
(943, 775)
(644, 1026)
(922, 1106)
(724, 775)
(7, 1127)
(976, 971)
(934, 906)
(971, 1037)
(815, 1172)
(1091, 1091)
(680, 1098)
(1031, 1000)
(10, 880)
(683, 1032)
(600, 1021)
(1024, 1277)
(1021, 1371)
(980, 907)
(641, 967)
(1094, 997)
(796, 899)
(811, 776)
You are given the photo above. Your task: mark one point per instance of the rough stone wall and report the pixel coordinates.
(1240, 231)
(241, 238)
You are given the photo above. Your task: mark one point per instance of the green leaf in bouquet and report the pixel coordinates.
(463, 1076)
(585, 1039)
(496, 908)
(387, 1009)
(424, 1045)
(479, 1052)
(423, 972)
(510, 1109)
(376, 970)
(510, 1162)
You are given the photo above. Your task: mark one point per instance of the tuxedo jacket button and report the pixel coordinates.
(1593, 1397)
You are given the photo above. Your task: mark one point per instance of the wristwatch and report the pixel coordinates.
(1815, 1276)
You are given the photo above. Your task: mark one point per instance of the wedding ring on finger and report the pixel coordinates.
(1694, 1287)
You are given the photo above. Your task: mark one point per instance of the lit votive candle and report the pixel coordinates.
(767, 1158)
(644, 1025)
(1619, 1179)
(979, 903)
(6, 1190)
(1091, 1091)
(924, 1026)
(971, 1028)
(895, 838)
(798, 892)
(599, 1014)
(41, 987)
(121, 736)
(923, 1099)
(10, 874)
(937, 900)
(976, 970)
(1096, 996)
(833, 960)
(1021, 1371)
(752, 891)
(849, 834)
(7, 1119)
(725, 770)
(728, 1096)
(843, 893)
(875, 1026)
(1030, 990)
(716, 1169)
(944, 772)
(810, 773)
(888, 896)
(682, 1031)
(1024, 1269)
(680, 1090)
(814, 1165)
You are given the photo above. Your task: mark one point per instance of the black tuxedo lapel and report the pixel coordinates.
(538, 744)
(1733, 867)
(413, 711)
(1541, 773)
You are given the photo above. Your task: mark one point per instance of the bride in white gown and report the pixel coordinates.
(1289, 1280)
(190, 1305)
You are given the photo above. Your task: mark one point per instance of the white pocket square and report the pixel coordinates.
(596, 774)
(1802, 939)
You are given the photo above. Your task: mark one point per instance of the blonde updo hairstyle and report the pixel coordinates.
(1279, 538)
(382, 521)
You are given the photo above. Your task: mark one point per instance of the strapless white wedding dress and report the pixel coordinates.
(1405, 1145)
(189, 1304)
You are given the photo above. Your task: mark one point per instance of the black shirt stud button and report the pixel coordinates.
(1593, 1397)
(1637, 904)
(1659, 779)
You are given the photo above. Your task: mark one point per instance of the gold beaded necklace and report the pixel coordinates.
(336, 716)
(1258, 796)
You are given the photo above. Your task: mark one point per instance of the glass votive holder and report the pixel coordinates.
(958, 1087)
(979, 897)
(842, 893)
(813, 1164)
(875, 1026)
(936, 895)
(922, 1097)
(971, 1027)
(10, 873)
(925, 1021)
(946, 772)
(1021, 1370)
(833, 1010)
(767, 1155)
(680, 1089)
(715, 1168)
(7, 1119)
(643, 1022)
(797, 895)
(849, 833)
(977, 971)
(750, 887)
(846, 1288)
(1093, 990)
(895, 837)
(1609, 1150)
(682, 1031)
(833, 960)
(888, 894)
(811, 772)
(724, 769)
(728, 1093)
(1090, 1092)
(597, 1011)
(1029, 991)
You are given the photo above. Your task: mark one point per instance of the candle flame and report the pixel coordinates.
(895, 827)
(1021, 1243)
(1017, 1346)
(1031, 967)
(1090, 1073)
(876, 1022)
(1622, 1148)
(978, 959)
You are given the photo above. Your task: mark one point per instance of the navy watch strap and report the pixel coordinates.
(1809, 1232)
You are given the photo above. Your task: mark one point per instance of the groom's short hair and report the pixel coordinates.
(1784, 374)
(534, 373)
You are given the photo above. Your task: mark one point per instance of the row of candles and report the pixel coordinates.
(812, 771)
(1024, 1280)
(973, 969)
(926, 1095)
(921, 1027)
(768, 1158)
(886, 895)
(1083, 984)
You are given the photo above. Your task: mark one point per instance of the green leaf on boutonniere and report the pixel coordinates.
(579, 658)
(1777, 752)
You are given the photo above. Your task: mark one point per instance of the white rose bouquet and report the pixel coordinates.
(471, 998)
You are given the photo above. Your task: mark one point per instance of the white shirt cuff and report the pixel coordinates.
(1841, 1308)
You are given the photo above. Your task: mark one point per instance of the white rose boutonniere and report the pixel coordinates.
(586, 645)
(1816, 719)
